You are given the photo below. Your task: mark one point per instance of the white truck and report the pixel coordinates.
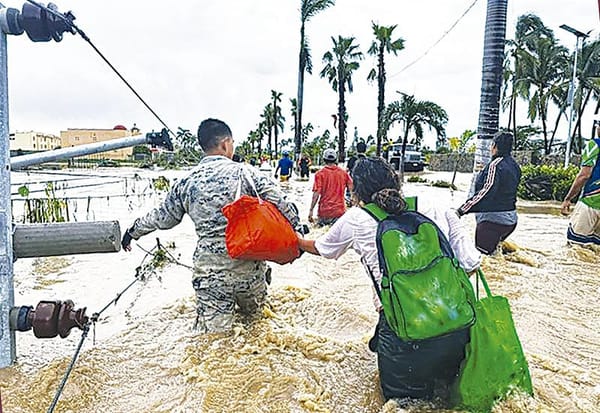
(413, 159)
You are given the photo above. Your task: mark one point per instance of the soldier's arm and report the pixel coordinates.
(168, 214)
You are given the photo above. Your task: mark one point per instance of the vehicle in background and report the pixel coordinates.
(413, 159)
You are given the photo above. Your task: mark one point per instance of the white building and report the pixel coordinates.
(33, 141)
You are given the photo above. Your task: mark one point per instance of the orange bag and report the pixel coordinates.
(257, 230)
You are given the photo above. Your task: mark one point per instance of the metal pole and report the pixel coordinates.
(7, 298)
(571, 100)
(18, 162)
(50, 240)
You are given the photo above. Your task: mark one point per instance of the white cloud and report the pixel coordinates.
(221, 58)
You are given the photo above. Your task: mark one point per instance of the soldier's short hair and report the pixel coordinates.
(211, 132)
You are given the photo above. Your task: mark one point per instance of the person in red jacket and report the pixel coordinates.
(330, 185)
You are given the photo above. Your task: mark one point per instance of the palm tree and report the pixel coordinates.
(267, 122)
(545, 69)
(383, 43)
(278, 118)
(588, 73)
(340, 64)
(308, 9)
(491, 82)
(262, 131)
(306, 130)
(529, 27)
(413, 114)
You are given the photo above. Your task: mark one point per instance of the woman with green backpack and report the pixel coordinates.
(424, 297)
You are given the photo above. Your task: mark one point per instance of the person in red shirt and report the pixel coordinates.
(328, 190)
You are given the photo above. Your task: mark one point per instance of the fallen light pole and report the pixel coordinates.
(153, 138)
(50, 318)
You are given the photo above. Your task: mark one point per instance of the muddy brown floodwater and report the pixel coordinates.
(308, 352)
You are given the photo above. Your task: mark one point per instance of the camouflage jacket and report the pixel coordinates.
(202, 194)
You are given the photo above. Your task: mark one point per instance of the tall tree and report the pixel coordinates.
(588, 75)
(262, 132)
(308, 9)
(545, 69)
(278, 118)
(381, 45)
(491, 80)
(340, 64)
(528, 28)
(413, 115)
(267, 122)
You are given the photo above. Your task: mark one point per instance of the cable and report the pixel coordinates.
(86, 330)
(87, 39)
(437, 42)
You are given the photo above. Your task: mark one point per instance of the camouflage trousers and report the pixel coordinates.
(220, 297)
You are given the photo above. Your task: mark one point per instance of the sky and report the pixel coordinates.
(191, 60)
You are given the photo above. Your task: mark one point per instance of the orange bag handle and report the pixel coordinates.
(244, 174)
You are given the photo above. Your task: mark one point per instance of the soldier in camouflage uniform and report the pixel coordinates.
(220, 282)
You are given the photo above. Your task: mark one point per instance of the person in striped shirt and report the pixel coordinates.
(495, 196)
(584, 227)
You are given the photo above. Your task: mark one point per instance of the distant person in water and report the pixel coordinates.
(361, 149)
(328, 191)
(284, 167)
(495, 197)
(304, 165)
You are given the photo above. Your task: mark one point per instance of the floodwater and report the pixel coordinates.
(308, 352)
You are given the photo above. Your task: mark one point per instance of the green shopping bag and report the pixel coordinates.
(494, 361)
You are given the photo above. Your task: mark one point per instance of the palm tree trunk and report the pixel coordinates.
(299, 97)
(491, 80)
(380, 99)
(514, 101)
(275, 125)
(341, 119)
(582, 106)
(269, 143)
(560, 113)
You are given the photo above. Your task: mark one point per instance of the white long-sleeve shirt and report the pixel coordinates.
(357, 230)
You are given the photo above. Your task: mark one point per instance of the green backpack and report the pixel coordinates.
(424, 291)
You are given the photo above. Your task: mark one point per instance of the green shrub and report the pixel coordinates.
(545, 182)
(416, 178)
(444, 184)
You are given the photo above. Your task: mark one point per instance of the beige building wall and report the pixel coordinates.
(33, 141)
(75, 137)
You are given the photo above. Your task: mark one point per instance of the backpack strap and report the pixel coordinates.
(378, 215)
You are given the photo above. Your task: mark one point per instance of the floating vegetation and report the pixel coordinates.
(444, 184)
(44, 210)
(159, 259)
(416, 179)
(161, 184)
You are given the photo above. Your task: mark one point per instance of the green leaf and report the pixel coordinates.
(23, 191)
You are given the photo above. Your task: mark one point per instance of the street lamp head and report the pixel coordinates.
(574, 31)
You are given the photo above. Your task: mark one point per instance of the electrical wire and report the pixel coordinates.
(87, 39)
(437, 42)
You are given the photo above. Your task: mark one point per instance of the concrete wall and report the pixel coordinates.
(446, 162)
